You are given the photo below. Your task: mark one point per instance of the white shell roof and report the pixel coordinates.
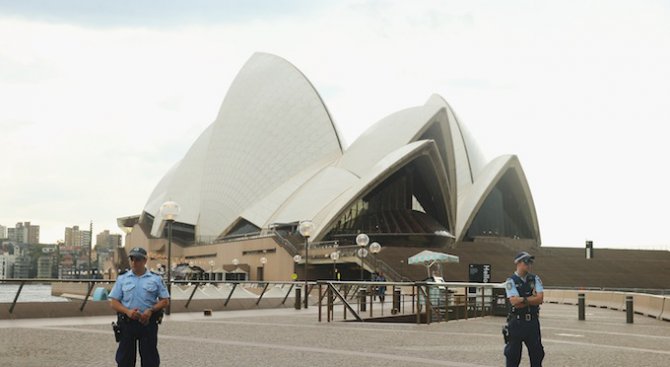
(271, 125)
(468, 156)
(268, 209)
(273, 155)
(473, 197)
(385, 136)
(377, 173)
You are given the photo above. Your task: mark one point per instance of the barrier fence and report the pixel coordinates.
(420, 302)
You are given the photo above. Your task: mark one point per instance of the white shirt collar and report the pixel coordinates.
(524, 278)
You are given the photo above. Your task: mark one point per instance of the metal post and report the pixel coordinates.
(11, 309)
(446, 304)
(169, 265)
(298, 298)
(418, 310)
(382, 297)
(306, 271)
(362, 300)
(344, 307)
(329, 294)
(413, 295)
(629, 309)
(581, 302)
(90, 249)
(320, 295)
(372, 305)
(467, 303)
(482, 302)
(396, 300)
(429, 305)
(361, 267)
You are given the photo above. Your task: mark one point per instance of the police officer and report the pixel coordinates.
(525, 293)
(139, 297)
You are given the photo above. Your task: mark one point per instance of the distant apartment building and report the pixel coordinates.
(106, 262)
(3, 231)
(6, 266)
(105, 239)
(22, 267)
(75, 237)
(24, 233)
(45, 266)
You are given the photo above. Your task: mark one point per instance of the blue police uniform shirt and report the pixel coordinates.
(510, 287)
(140, 292)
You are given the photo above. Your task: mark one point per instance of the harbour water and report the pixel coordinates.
(29, 293)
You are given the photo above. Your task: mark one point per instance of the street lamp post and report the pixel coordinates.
(334, 256)
(306, 227)
(211, 269)
(264, 260)
(236, 262)
(362, 240)
(375, 247)
(169, 212)
(296, 260)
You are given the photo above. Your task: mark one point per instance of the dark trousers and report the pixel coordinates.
(528, 332)
(132, 333)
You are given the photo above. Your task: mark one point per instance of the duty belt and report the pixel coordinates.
(156, 317)
(524, 316)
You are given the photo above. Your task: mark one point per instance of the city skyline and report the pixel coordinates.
(103, 102)
(72, 236)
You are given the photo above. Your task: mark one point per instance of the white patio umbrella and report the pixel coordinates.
(428, 258)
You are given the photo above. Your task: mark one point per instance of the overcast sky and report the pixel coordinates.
(100, 98)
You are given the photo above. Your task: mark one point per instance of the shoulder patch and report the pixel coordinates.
(508, 285)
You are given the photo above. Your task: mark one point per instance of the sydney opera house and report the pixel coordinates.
(273, 157)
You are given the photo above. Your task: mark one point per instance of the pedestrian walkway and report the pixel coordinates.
(288, 337)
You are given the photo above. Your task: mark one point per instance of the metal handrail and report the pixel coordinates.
(22, 282)
(266, 284)
(421, 294)
(350, 251)
(346, 291)
(388, 270)
(332, 290)
(288, 245)
(92, 282)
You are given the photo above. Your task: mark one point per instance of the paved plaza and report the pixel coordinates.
(288, 337)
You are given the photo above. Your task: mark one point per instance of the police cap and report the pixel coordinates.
(138, 252)
(523, 256)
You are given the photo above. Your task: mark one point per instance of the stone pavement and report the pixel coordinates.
(287, 337)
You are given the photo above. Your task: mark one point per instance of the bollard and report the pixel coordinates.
(361, 300)
(581, 302)
(298, 299)
(396, 301)
(629, 309)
